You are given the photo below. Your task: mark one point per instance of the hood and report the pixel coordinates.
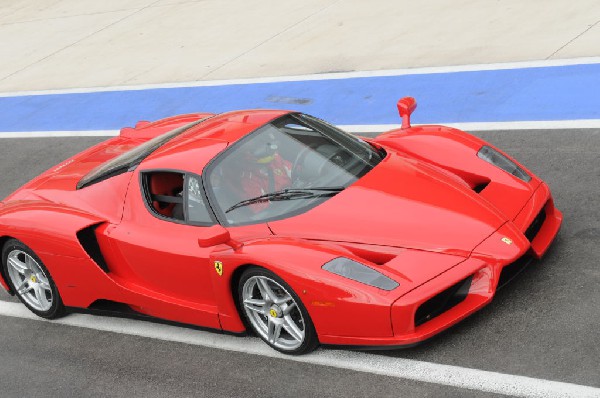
(402, 202)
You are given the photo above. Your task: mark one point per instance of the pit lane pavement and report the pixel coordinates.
(543, 326)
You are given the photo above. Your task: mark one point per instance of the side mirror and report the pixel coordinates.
(213, 236)
(406, 106)
(217, 235)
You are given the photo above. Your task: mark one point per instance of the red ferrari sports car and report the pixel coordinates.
(278, 223)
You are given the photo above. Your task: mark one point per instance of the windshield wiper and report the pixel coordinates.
(289, 194)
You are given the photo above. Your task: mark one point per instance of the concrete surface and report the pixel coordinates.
(50, 44)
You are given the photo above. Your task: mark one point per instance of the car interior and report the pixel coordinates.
(165, 189)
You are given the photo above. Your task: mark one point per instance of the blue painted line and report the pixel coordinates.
(567, 92)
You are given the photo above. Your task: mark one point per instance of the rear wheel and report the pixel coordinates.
(275, 313)
(30, 280)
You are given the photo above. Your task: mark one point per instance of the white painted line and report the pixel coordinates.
(455, 376)
(322, 76)
(42, 134)
(487, 126)
(354, 128)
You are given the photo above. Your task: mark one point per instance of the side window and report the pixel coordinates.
(196, 205)
(164, 190)
(176, 195)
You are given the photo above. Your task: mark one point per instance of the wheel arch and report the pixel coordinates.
(34, 272)
(50, 230)
(234, 287)
(3, 277)
(47, 227)
(329, 299)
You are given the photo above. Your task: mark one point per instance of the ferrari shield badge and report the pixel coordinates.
(219, 268)
(506, 240)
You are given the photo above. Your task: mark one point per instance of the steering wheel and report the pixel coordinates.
(297, 165)
(312, 161)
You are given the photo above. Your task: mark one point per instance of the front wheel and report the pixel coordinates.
(275, 313)
(30, 280)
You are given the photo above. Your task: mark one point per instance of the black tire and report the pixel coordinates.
(56, 309)
(310, 339)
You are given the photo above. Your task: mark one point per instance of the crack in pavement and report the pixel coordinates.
(269, 39)
(573, 39)
(79, 41)
(65, 17)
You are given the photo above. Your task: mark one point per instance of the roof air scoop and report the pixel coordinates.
(406, 106)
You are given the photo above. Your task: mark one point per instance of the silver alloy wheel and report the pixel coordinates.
(29, 280)
(273, 313)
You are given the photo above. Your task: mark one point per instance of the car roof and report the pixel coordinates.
(192, 150)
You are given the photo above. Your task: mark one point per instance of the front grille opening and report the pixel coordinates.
(443, 301)
(510, 271)
(536, 225)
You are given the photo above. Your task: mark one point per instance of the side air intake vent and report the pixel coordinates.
(89, 242)
(480, 187)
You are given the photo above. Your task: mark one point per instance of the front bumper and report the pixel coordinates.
(404, 310)
(540, 204)
(493, 263)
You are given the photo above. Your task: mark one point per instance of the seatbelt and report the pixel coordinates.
(271, 179)
(167, 198)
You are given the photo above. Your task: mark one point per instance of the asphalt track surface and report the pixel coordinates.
(543, 325)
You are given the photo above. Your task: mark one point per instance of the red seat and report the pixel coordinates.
(165, 184)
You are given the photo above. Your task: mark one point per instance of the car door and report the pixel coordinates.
(157, 246)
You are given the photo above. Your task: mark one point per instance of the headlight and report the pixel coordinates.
(494, 157)
(359, 272)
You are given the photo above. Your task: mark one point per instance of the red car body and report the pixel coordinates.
(431, 216)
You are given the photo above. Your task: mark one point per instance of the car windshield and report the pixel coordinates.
(285, 168)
